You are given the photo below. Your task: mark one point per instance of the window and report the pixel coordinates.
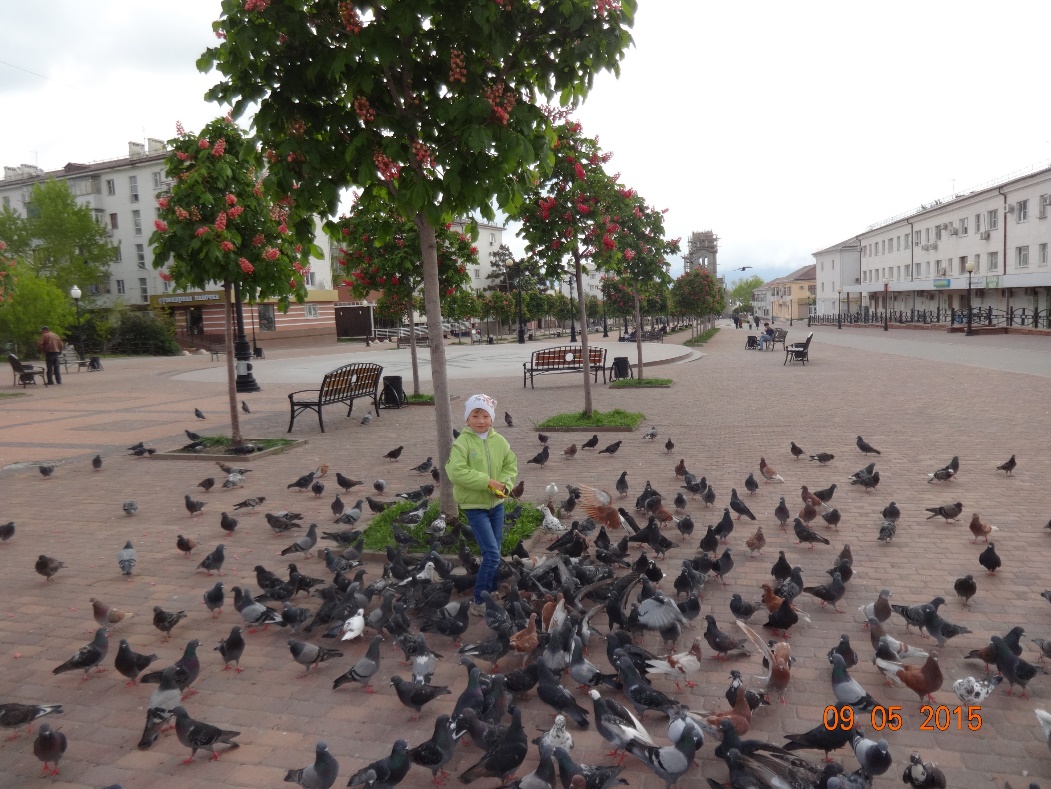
(1041, 257)
(111, 187)
(133, 185)
(310, 310)
(1022, 257)
(144, 291)
(113, 221)
(963, 226)
(156, 179)
(166, 286)
(120, 287)
(1022, 211)
(977, 223)
(926, 235)
(477, 273)
(140, 255)
(993, 219)
(927, 269)
(908, 271)
(916, 238)
(136, 221)
(938, 267)
(899, 243)
(7, 201)
(963, 264)
(899, 273)
(937, 232)
(994, 262)
(310, 279)
(118, 256)
(885, 247)
(266, 318)
(492, 238)
(977, 263)
(833, 265)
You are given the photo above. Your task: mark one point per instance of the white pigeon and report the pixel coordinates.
(1045, 723)
(557, 736)
(234, 480)
(679, 666)
(551, 490)
(354, 626)
(427, 573)
(974, 691)
(367, 418)
(551, 523)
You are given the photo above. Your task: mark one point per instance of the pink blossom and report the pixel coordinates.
(203, 143)
(161, 225)
(201, 231)
(164, 275)
(271, 253)
(227, 246)
(231, 199)
(182, 213)
(236, 211)
(220, 148)
(179, 129)
(246, 267)
(163, 202)
(182, 156)
(282, 228)
(629, 254)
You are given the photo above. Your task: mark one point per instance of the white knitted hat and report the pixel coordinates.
(485, 402)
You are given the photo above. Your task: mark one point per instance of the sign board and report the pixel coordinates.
(942, 283)
(992, 282)
(187, 298)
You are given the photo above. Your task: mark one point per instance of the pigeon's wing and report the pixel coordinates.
(761, 645)
(594, 497)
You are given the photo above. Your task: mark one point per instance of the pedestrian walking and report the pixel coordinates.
(51, 345)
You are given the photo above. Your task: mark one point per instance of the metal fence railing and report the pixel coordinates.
(1016, 317)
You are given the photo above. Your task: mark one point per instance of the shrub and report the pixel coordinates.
(145, 333)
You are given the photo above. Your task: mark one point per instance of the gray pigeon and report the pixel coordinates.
(126, 558)
(48, 747)
(304, 544)
(159, 709)
(13, 715)
(88, 656)
(306, 654)
(672, 761)
(367, 418)
(197, 413)
(197, 735)
(319, 775)
(847, 690)
(874, 757)
(363, 670)
(231, 648)
(130, 507)
(254, 613)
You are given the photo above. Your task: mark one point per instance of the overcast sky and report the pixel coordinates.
(782, 127)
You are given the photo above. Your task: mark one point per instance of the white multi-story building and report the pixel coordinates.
(919, 260)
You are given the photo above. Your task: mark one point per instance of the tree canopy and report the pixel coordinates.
(741, 290)
(36, 302)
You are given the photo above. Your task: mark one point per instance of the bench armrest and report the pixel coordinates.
(315, 392)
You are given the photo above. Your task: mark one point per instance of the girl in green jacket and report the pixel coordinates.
(482, 468)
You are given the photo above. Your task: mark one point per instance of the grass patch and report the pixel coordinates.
(11, 394)
(628, 383)
(420, 398)
(223, 442)
(380, 531)
(615, 418)
(703, 337)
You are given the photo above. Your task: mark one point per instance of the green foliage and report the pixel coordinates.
(217, 225)
(615, 418)
(697, 293)
(380, 530)
(741, 291)
(703, 337)
(641, 383)
(36, 302)
(145, 333)
(59, 239)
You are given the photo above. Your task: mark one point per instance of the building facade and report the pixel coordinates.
(919, 261)
(702, 251)
(787, 298)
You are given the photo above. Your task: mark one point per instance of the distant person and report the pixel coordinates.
(766, 337)
(757, 321)
(737, 321)
(51, 345)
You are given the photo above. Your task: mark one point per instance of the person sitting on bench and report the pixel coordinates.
(766, 337)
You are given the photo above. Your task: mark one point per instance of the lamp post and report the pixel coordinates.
(605, 326)
(970, 271)
(572, 318)
(839, 308)
(242, 350)
(75, 294)
(521, 323)
(886, 303)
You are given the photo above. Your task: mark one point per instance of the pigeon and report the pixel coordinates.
(7, 531)
(831, 592)
(782, 513)
(541, 457)
(923, 680)
(425, 466)
(951, 512)
(989, 559)
(570, 451)
(966, 588)
(558, 698)
(435, 753)
(48, 567)
(130, 507)
(805, 534)
(159, 708)
(750, 483)
(165, 621)
(207, 484)
(768, 472)
(245, 408)
(414, 695)
(973, 691)
(617, 725)
(980, 529)
(386, 772)
(186, 669)
(88, 656)
(844, 650)
(46, 470)
(891, 512)
(193, 507)
(543, 438)
(367, 418)
(1008, 465)
(250, 503)
(796, 451)
(669, 445)
(671, 761)
(96, 462)
(721, 642)
(231, 648)
(591, 443)
(557, 736)
(214, 560)
(756, 542)
(49, 747)
(252, 612)
(197, 735)
(880, 609)
(394, 454)
(611, 449)
(505, 757)
(508, 420)
(306, 654)
(304, 544)
(941, 475)
(874, 757)
(214, 598)
(185, 544)
(738, 506)
(622, 484)
(107, 616)
(199, 414)
(319, 775)
(923, 775)
(848, 691)
(317, 487)
(823, 457)
(866, 447)
(346, 483)
(832, 517)
(363, 670)
(126, 558)
(14, 716)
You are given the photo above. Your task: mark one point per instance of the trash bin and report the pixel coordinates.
(392, 395)
(621, 368)
(751, 343)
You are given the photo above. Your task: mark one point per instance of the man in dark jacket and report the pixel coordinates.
(50, 344)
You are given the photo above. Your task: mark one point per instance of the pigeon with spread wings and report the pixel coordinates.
(598, 505)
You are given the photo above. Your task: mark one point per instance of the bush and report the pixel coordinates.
(145, 333)
(380, 530)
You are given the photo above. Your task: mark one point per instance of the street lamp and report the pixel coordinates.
(839, 307)
(886, 303)
(245, 381)
(605, 326)
(75, 294)
(572, 322)
(970, 271)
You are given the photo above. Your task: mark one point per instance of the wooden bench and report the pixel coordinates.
(343, 385)
(563, 359)
(69, 356)
(405, 341)
(653, 336)
(780, 335)
(25, 373)
(216, 351)
(799, 352)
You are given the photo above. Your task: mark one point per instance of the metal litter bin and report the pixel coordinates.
(392, 394)
(621, 368)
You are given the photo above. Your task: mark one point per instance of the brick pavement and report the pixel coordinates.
(724, 411)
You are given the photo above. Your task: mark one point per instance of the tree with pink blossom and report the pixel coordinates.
(697, 294)
(435, 101)
(217, 225)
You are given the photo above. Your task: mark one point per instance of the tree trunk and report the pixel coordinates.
(412, 350)
(439, 380)
(638, 329)
(579, 282)
(231, 376)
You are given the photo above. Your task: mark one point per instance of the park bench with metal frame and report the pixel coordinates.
(69, 356)
(343, 385)
(25, 373)
(799, 352)
(563, 359)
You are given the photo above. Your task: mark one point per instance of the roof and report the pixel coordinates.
(804, 274)
(853, 241)
(76, 168)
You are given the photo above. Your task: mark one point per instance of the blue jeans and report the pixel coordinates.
(763, 340)
(488, 529)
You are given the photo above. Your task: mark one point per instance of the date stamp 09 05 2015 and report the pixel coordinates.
(940, 718)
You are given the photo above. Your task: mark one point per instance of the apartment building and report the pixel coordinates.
(919, 260)
(786, 298)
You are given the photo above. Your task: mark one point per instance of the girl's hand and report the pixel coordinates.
(498, 488)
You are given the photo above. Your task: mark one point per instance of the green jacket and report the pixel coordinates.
(473, 462)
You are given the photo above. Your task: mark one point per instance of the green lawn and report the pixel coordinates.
(702, 338)
(380, 531)
(615, 418)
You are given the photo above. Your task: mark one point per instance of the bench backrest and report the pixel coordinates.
(780, 334)
(351, 380)
(15, 364)
(809, 337)
(567, 356)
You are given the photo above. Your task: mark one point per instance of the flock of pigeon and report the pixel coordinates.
(605, 584)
